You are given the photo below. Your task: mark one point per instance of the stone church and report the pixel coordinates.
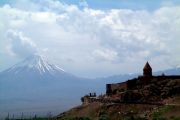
(139, 81)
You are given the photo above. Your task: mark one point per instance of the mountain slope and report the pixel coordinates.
(35, 85)
(33, 65)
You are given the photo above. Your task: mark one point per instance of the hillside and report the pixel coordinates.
(159, 99)
(108, 111)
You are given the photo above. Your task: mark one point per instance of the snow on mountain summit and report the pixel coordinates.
(37, 63)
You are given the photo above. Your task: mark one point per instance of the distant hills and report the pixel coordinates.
(124, 77)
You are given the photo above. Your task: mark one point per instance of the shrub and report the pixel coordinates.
(104, 117)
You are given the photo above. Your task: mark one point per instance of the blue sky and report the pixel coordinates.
(115, 4)
(92, 38)
(125, 4)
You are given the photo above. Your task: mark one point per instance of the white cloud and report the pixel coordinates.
(105, 55)
(20, 45)
(117, 36)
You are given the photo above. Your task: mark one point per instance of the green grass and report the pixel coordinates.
(76, 118)
(158, 115)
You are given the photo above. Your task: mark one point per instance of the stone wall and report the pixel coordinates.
(113, 88)
(133, 83)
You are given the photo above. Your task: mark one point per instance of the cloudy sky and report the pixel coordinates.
(92, 38)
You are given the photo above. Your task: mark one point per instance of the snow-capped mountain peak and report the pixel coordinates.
(37, 63)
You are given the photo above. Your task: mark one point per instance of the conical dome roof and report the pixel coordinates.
(147, 67)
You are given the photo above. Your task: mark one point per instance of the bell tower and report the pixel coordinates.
(147, 70)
